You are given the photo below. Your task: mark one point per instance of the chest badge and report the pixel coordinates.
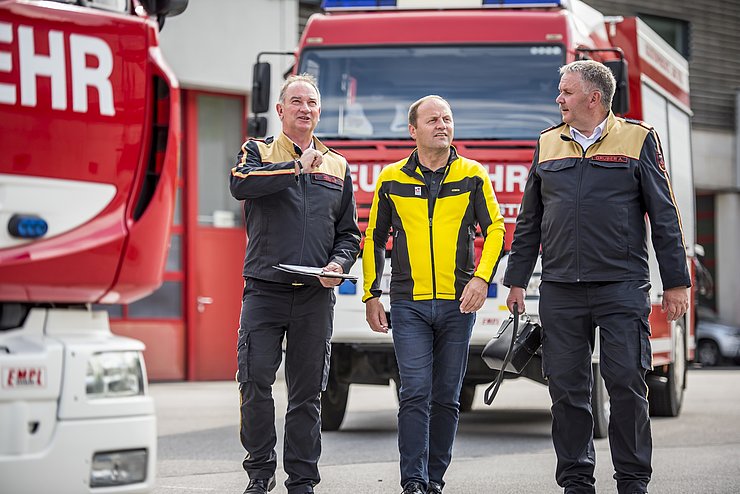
(417, 191)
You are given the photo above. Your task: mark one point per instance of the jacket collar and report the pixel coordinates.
(611, 122)
(291, 147)
(412, 165)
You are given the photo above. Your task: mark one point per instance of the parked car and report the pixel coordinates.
(717, 342)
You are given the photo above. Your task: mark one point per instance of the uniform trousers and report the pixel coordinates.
(570, 314)
(302, 315)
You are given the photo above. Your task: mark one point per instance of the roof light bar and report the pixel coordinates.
(437, 4)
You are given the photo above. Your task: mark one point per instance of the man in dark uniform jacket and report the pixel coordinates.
(593, 179)
(299, 208)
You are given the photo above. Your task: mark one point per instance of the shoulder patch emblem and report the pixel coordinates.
(661, 161)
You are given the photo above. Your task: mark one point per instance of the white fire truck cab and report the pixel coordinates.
(89, 138)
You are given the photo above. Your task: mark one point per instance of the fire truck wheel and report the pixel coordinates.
(666, 390)
(333, 403)
(599, 404)
(467, 396)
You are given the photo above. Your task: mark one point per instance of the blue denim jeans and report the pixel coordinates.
(431, 339)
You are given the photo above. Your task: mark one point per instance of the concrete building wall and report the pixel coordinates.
(213, 44)
(728, 259)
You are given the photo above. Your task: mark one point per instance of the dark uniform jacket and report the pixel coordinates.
(433, 253)
(307, 219)
(587, 209)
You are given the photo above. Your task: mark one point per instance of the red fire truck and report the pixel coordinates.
(89, 138)
(496, 62)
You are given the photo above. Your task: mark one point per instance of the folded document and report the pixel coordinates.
(313, 271)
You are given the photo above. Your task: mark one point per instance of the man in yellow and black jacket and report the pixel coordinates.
(432, 201)
(592, 181)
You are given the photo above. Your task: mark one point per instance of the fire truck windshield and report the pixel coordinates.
(496, 91)
(122, 6)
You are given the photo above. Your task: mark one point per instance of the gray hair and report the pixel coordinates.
(305, 77)
(596, 77)
(414, 108)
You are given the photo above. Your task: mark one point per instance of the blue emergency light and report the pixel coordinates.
(27, 226)
(432, 4)
(347, 288)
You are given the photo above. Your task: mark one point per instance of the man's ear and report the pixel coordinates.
(412, 131)
(595, 98)
(279, 110)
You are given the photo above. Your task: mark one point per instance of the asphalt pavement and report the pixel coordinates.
(501, 449)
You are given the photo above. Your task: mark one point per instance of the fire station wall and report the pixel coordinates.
(213, 45)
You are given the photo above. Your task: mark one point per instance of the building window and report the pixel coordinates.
(674, 31)
(220, 136)
(174, 255)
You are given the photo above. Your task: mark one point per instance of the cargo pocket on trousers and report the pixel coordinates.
(327, 364)
(242, 357)
(646, 352)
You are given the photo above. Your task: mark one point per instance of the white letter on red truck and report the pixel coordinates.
(33, 65)
(83, 76)
(7, 91)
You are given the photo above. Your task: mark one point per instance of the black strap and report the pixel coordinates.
(492, 390)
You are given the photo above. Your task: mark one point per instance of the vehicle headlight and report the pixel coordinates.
(114, 375)
(118, 468)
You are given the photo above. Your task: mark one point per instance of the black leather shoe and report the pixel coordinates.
(260, 486)
(434, 488)
(413, 488)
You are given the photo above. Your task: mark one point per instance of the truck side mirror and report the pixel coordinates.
(164, 8)
(257, 126)
(261, 87)
(621, 100)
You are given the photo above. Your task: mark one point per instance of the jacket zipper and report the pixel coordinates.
(305, 214)
(431, 230)
(578, 213)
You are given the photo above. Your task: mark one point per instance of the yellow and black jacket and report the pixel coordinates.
(587, 209)
(433, 255)
(307, 219)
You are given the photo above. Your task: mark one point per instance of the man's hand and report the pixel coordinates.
(311, 160)
(675, 302)
(331, 282)
(375, 315)
(516, 294)
(473, 295)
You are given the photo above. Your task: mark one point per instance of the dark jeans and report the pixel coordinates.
(431, 339)
(570, 312)
(270, 312)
